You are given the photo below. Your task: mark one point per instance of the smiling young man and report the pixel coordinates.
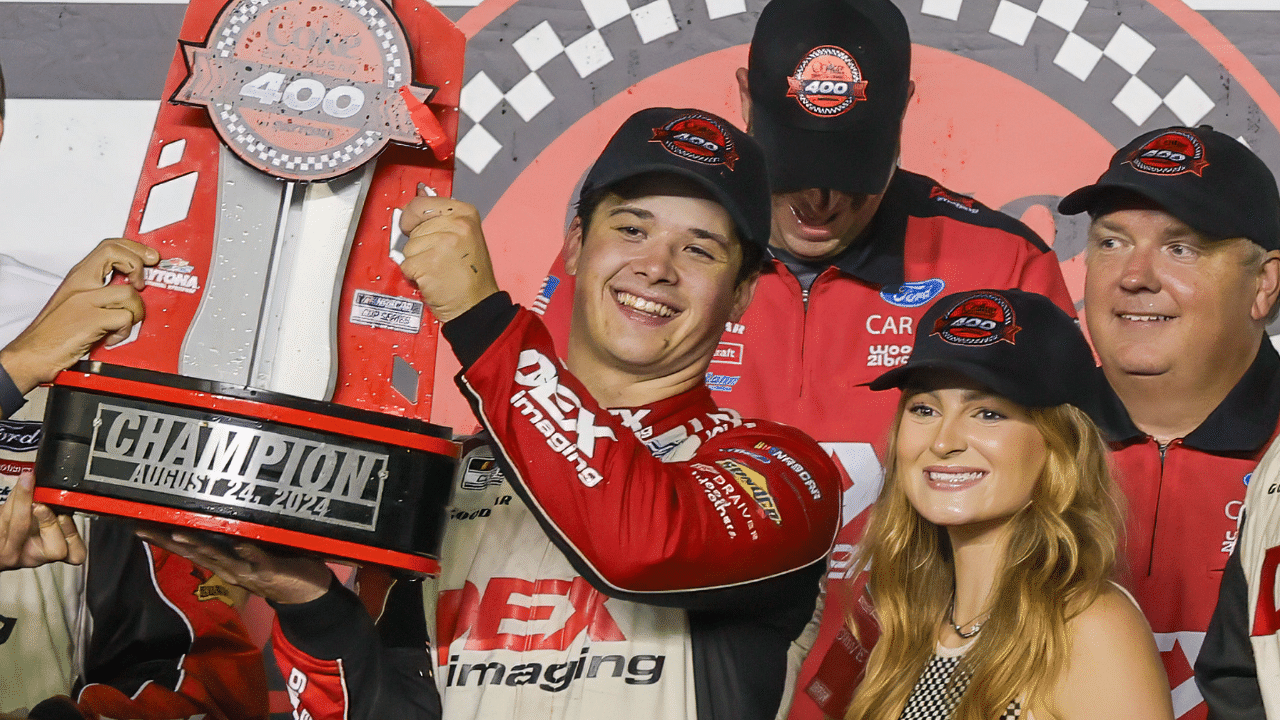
(858, 248)
(1182, 277)
(621, 547)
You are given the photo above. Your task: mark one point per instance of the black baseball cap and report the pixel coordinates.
(829, 83)
(1018, 344)
(1206, 179)
(698, 145)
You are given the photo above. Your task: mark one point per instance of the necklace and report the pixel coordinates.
(974, 626)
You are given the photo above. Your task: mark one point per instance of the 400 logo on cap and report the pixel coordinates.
(1173, 153)
(827, 82)
(698, 138)
(306, 89)
(981, 319)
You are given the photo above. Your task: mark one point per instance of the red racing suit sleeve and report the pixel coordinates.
(338, 666)
(165, 643)
(741, 517)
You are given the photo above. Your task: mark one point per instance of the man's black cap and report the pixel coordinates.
(1206, 179)
(697, 145)
(829, 83)
(1018, 344)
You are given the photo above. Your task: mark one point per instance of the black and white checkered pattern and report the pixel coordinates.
(939, 690)
(653, 19)
(1126, 48)
(936, 695)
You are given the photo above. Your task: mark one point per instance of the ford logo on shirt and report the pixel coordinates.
(19, 435)
(914, 294)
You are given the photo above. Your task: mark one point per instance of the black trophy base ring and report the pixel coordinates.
(328, 479)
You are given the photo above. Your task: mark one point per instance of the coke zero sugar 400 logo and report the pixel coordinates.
(980, 319)
(1173, 153)
(698, 138)
(827, 82)
(306, 89)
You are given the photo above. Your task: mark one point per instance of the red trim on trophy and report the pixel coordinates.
(324, 546)
(257, 410)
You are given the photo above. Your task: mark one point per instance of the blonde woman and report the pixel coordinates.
(994, 540)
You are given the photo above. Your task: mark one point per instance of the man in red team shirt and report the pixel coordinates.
(1182, 277)
(859, 248)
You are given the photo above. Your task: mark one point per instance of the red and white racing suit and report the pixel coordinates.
(646, 562)
(1238, 669)
(1185, 505)
(803, 358)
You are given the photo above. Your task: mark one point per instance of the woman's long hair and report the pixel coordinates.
(1061, 553)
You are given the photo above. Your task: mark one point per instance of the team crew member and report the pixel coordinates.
(661, 553)
(1182, 277)
(858, 250)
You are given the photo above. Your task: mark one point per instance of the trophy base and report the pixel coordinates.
(326, 479)
(317, 544)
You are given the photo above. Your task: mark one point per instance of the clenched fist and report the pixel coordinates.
(446, 256)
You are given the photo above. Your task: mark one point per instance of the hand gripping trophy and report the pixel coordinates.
(280, 384)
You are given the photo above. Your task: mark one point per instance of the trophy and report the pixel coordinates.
(280, 386)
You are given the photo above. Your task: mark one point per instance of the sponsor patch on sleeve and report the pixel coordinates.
(756, 485)
(549, 285)
(801, 472)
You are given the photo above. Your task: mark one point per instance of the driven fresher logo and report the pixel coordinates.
(248, 467)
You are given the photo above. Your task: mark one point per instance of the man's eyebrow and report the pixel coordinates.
(1103, 224)
(708, 235)
(640, 213)
(643, 214)
(1181, 233)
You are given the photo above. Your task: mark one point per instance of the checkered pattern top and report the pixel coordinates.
(940, 688)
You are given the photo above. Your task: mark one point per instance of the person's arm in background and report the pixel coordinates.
(82, 311)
